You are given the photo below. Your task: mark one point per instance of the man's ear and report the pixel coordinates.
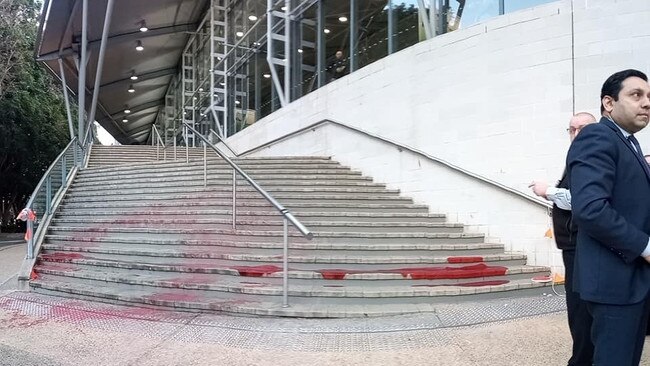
(608, 103)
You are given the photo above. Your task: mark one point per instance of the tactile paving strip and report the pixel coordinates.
(333, 335)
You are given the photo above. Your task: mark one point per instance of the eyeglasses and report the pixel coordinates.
(573, 130)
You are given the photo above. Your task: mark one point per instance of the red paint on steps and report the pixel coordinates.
(172, 296)
(426, 273)
(463, 259)
(256, 271)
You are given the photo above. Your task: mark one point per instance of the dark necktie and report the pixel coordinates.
(636, 145)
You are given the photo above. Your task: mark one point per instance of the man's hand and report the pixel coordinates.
(539, 188)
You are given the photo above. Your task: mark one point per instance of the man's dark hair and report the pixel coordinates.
(613, 85)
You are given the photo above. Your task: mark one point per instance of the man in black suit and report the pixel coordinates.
(610, 198)
(565, 237)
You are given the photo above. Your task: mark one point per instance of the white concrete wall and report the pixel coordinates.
(494, 99)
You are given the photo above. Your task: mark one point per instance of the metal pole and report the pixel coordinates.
(30, 242)
(320, 44)
(67, 101)
(354, 22)
(287, 52)
(100, 60)
(187, 144)
(82, 70)
(502, 7)
(234, 199)
(285, 265)
(175, 136)
(48, 194)
(391, 27)
(63, 177)
(205, 164)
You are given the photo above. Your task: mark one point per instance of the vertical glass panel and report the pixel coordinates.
(407, 24)
(373, 30)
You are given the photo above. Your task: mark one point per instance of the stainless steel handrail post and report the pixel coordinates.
(234, 199)
(175, 136)
(30, 241)
(48, 193)
(63, 177)
(205, 165)
(285, 265)
(187, 146)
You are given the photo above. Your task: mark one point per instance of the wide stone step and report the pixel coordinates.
(248, 162)
(219, 173)
(181, 179)
(206, 249)
(285, 198)
(270, 304)
(266, 184)
(297, 207)
(183, 235)
(244, 215)
(276, 225)
(269, 277)
(146, 190)
(202, 255)
(211, 166)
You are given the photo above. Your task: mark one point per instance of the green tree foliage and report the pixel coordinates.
(33, 124)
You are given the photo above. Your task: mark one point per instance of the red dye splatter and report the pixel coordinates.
(33, 275)
(426, 273)
(257, 271)
(60, 257)
(438, 273)
(469, 284)
(464, 259)
(334, 274)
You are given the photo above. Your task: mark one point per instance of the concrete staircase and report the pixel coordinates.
(135, 230)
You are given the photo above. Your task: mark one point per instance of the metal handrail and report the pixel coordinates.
(401, 146)
(46, 180)
(287, 216)
(158, 142)
(223, 142)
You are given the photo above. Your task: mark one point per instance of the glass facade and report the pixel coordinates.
(228, 79)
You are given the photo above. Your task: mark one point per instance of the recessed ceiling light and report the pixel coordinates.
(138, 46)
(237, 102)
(131, 89)
(252, 18)
(125, 120)
(343, 19)
(299, 50)
(326, 31)
(222, 83)
(283, 8)
(266, 76)
(127, 111)
(134, 76)
(200, 89)
(143, 26)
(239, 34)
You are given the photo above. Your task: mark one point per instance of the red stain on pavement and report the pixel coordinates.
(256, 271)
(464, 259)
(426, 273)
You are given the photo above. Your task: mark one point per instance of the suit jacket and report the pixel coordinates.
(610, 200)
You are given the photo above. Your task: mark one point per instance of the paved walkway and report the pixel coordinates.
(41, 330)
